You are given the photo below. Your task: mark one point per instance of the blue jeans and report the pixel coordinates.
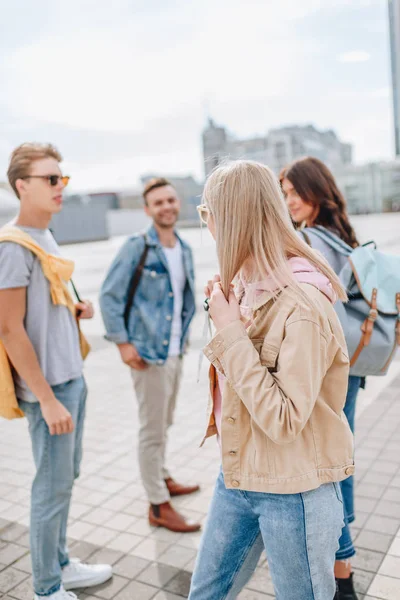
(346, 547)
(299, 532)
(57, 460)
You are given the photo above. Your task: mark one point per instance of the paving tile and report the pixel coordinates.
(365, 505)
(369, 490)
(378, 478)
(12, 532)
(3, 523)
(371, 540)
(121, 522)
(10, 578)
(109, 589)
(177, 556)
(138, 508)
(390, 566)
(130, 566)
(390, 468)
(79, 509)
(24, 564)
(362, 580)
(137, 590)
(180, 584)
(100, 536)
(382, 524)
(10, 553)
(395, 547)
(158, 575)
(24, 540)
(98, 516)
(125, 542)
(142, 527)
(82, 550)
(79, 530)
(105, 556)
(385, 588)
(150, 549)
(23, 591)
(163, 595)
(117, 502)
(392, 494)
(368, 560)
(388, 509)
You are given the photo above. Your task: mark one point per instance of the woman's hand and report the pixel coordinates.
(222, 311)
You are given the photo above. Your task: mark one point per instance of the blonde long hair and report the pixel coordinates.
(253, 227)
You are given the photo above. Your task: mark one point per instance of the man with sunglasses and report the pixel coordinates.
(150, 326)
(42, 342)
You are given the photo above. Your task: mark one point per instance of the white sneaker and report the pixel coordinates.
(62, 594)
(80, 575)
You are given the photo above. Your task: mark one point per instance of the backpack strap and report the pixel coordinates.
(306, 237)
(135, 279)
(331, 239)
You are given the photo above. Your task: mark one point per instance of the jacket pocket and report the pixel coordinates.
(153, 286)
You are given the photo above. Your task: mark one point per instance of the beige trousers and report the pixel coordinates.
(156, 391)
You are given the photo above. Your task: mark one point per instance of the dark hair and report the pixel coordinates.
(153, 184)
(315, 185)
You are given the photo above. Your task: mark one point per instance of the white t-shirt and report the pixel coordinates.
(178, 280)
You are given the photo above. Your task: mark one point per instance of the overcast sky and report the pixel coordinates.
(124, 87)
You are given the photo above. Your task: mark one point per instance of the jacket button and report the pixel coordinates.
(169, 318)
(171, 295)
(235, 483)
(349, 471)
(231, 420)
(153, 273)
(233, 452)
(165, 343)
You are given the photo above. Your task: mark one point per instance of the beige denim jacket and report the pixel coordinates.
(283, 428)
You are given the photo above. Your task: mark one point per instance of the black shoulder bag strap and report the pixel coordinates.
(134, 282)
(79, 299)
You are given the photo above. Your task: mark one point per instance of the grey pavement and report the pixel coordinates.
(108, 514)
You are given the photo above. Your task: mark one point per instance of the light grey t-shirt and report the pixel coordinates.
(51, 328)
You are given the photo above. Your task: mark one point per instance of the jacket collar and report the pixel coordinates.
(153, 239)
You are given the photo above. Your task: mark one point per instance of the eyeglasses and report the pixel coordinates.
(204, 213)
(52, 179)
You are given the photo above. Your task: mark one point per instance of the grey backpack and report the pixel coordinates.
(371, 317)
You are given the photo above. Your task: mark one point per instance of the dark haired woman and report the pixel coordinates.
(313, 198)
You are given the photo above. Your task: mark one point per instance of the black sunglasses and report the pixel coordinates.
(52, 179)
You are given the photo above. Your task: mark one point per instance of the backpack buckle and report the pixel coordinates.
(373, 315)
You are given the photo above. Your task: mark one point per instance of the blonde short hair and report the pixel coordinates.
(22, 158)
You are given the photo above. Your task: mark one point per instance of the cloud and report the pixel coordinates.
(355, 56)
(123, 88)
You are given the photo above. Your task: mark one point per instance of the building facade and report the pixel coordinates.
(370, 188)
(276, 149)
(394, 26)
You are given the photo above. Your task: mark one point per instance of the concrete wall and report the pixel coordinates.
(80, 223)
(126, 222)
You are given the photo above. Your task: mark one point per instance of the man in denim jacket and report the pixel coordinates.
(153, 338)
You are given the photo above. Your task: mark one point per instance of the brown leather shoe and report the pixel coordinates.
(164, 515)
(176, 489)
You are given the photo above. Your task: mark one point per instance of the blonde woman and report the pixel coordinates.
(279, 370)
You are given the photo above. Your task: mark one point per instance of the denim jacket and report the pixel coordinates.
(150, 318)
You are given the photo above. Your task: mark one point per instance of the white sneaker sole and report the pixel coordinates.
(89, 582)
